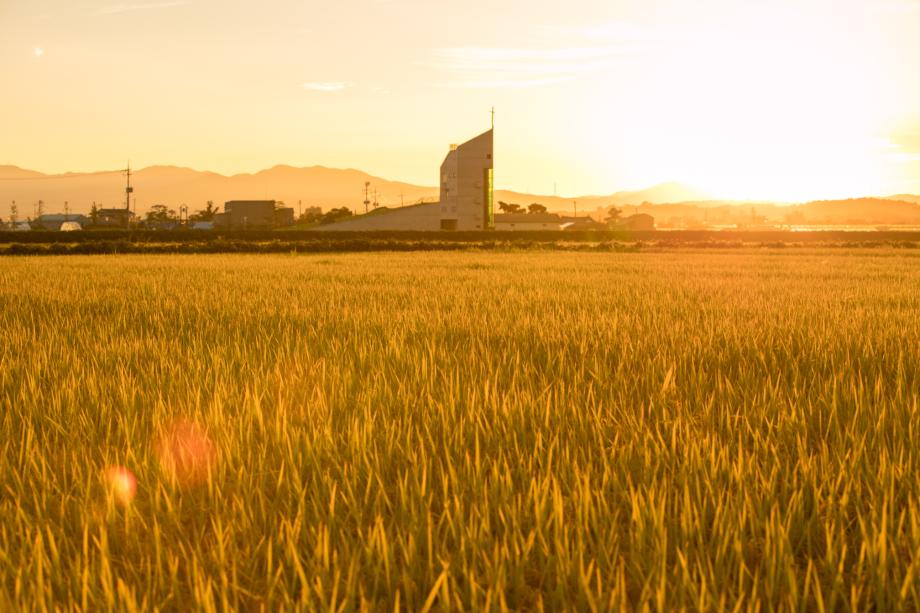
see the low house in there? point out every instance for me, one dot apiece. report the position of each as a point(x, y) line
point(582, 223)
point(284, 216)
point(114, 218)
point(54, 221)
point(527, 222)
point(246, 214)
point(637, 223)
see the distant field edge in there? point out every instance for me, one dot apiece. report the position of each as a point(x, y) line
point(151, 243)
point(307, 236)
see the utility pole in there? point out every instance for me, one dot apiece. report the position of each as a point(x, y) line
point(66, 211)
point(376, 204)
point(14, 214)
point(367, 187)
point(128, 189)
point(41, 209)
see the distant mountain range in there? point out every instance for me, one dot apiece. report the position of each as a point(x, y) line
point(669, 203)
point(313, 186)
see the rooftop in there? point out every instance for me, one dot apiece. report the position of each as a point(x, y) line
point(527, 218)
point(61, 217)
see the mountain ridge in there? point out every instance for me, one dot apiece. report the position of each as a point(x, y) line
point(328, 187)
point(315, 185)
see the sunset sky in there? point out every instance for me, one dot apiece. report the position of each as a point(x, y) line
point(787, 99)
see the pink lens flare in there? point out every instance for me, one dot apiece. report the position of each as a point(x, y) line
point(122, 484)
point(186, 453)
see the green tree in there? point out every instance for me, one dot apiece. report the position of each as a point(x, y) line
point(536, 208)
point(335, 214)
point(613, 216)
point(205, 214)
point(310, 215)
point(160, 213)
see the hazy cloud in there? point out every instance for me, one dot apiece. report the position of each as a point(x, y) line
point(905, 7)
point(608, 31)
point(326, 86)
point(554, 53)
point(506, 83)
point(495, 67)
point(115, 9)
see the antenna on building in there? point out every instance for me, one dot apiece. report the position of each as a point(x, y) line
point(367, 201)
point(493, 117)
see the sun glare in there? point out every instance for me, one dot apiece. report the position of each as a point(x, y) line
point(763, 105)
point(122, 484)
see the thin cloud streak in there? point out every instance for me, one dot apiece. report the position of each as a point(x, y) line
point(116, 9)
point(903, 8)
point(506, 84)
point(326, 86)
point(496, 67)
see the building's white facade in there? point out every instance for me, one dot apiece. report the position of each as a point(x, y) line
point(467, 185)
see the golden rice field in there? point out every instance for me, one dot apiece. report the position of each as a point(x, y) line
point(461, 431)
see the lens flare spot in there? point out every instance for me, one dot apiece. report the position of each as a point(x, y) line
point(122, 484)
point(186, 453)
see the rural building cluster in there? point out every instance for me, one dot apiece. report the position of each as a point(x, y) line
point(466, 203)
point(244, 214)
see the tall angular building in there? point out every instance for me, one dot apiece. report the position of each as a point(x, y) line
point(467, 185)
point(466, 198)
